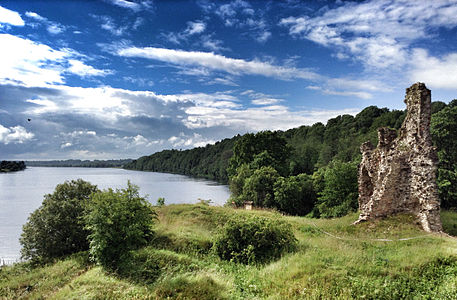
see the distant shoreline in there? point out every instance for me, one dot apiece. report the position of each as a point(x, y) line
point(113, 163)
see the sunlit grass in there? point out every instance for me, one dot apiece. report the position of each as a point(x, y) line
point(334, 260)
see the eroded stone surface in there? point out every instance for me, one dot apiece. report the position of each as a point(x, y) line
point(400, 174)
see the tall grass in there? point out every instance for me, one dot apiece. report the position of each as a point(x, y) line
point(334, 260)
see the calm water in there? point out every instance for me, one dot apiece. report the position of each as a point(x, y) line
point(22, 192)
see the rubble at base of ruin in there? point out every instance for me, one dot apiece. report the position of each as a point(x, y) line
point(399, 175)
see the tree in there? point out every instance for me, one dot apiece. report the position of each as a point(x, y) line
point(444, 132)
point(250, 145)
point(56, 229)
point(236, 183)
point(295, 195)
point(338, 189)
point(259, 188)
point(118, 221)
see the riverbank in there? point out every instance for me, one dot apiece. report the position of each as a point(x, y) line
point(392, 258)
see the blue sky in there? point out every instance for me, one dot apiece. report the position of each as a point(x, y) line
point(120, 79)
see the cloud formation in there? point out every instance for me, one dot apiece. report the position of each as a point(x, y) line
point(135, 6)
point(10, 17)
point(30, 63)
point(15, 134)
point(378, 33)
point(218, 62)
point(51, 27)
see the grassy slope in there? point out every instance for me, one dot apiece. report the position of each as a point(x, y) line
point(180, 264)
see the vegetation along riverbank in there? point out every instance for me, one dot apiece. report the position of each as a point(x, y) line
point(183, 259)
point(11, 166)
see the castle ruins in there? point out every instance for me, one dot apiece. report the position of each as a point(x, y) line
point(399, 175)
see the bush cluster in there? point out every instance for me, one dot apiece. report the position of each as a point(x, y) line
point(254, 239)
point(78, 217)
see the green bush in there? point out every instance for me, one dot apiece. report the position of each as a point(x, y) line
point(295, 195)
point(337, 189)
point(56, 228)
point(259, 188)
point(118, 221)
point(254, 239)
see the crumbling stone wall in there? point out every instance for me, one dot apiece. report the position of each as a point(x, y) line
point(400, 174)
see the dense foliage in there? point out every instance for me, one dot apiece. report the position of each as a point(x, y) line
point(11, 166)
point(209, 162)
point(336, 185)
point(56, 228)
point(254, 239)
point(118, 221)
point(444, 132)
point(261, 167)
point(112, 163)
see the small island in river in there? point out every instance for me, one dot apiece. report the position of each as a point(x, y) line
point(11, 166)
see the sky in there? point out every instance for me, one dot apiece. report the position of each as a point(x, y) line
point(121, 79)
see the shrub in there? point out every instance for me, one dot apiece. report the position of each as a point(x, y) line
point(254, 239)
point(119, 221)
point(56, 229)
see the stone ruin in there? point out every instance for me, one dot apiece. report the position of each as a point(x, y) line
point(399, 176)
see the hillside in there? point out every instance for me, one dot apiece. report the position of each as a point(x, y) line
point(312, 146)
point(391, 258)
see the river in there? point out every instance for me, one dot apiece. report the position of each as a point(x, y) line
point(22, 192)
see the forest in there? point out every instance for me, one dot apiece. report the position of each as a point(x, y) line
point(309, 170)
point(11, 166)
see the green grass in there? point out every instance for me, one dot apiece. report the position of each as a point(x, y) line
point(334, 260)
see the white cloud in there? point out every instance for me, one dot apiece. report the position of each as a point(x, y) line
point(265, 101)
point(140, 140)
point(79, 68)
point(240, 14)
point(195, 111)
point(255, 119)
point(264, 36)
point(10, 17)
point(66, 145)
point(33, 64)
point(29, 63)
point(214, 45)
point(109, 25)
point(195, 27)
point(55, 28)
point(51, 27)
point(435, 72)
point(127, 4)
point(15, 135)
point(195, 140)
point(35, 16)
point(43, 105)
point(346, 93)
point(217, 62)
point(379, 32)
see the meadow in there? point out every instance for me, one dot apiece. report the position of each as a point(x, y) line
point(386, 259)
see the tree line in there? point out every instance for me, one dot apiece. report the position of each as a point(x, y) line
point(112, 163)
point(11, 166)
point(309, 169)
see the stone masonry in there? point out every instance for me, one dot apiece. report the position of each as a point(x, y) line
point(399, 176)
